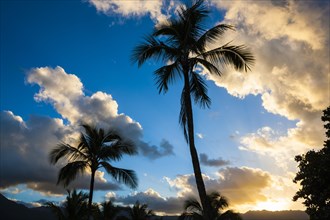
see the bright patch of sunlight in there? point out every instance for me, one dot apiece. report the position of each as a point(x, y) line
point(272, 205)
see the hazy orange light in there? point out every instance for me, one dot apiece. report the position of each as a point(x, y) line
point(272, 205)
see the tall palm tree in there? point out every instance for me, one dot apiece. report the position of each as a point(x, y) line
point(74, 208)
point(183, 44)
point(95, 149)
point(194, 210)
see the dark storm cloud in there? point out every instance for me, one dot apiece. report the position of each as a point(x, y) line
point(154, 152)
point(170, 205)
point(24, 154)
point(204, 159)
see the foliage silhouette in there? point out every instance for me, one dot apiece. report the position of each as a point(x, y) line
point(183, 43)
point(314, 177)
point(194, 210)
point(108, 211)
point(74, 208)
point(140, 211)
point(95, 148)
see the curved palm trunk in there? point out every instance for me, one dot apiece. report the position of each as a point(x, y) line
point(193, 151)
point(91, 190)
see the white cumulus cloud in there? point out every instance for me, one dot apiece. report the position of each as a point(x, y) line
point(290, 41)
point(157, 10)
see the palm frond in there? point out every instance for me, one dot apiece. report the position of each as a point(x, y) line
point(192, 205)
point(198, 89)
point(193, 18)
point(152, 48)
point(93, 138)
point(109, 211)
point(218, 201)
point(84, 143)
point(206, 64)
point(77, 197)
point(166, 75)
point(69, 172)
point(239, 56)
point(125, 176)
point(111, 135)
point(212, 35)
point(116, 149)
point(90, 130)
point(76, 205)
point(56, 210)
point(63, 150)
point(171, 30)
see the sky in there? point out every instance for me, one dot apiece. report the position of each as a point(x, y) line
point(65, 62)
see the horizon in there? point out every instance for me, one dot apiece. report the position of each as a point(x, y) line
point(30, 206)
point(65, 62)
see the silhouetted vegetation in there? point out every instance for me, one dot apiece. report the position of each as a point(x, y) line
point(194, 210)
point(139, 212)
point(314, 177)
point(94, 149)
point(74, 208)
point(13, 211)
point(108, 211)
point(183, 42)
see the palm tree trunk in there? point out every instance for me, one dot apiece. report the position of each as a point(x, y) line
point(91, 190)
point(193, 151)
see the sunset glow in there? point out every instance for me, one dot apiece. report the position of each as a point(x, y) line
point(272, 205)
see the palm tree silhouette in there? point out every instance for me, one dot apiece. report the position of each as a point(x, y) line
point(109, 211)
point(74, 208)
point(182, 43)
point(140, 212)
point(194, 210)
point(95, 148)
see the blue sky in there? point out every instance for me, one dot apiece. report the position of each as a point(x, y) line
point(64, 61)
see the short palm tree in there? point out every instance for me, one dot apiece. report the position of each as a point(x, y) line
point(140, 212)
point(109, 211)
point(74, 208)
point(194, 210)
point(183, 44)
point(95, 149)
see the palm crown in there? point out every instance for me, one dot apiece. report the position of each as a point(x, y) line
point(184, 44)
point(95, 149)
point(74, 208)
point(194, 210)
point(140, 211)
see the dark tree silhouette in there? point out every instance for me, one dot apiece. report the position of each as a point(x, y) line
point(74, 208)
point(194, 210)
point(95, 149)
point(109, 211)
point(183, 42)
point(140, 212)
point(314, 177)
